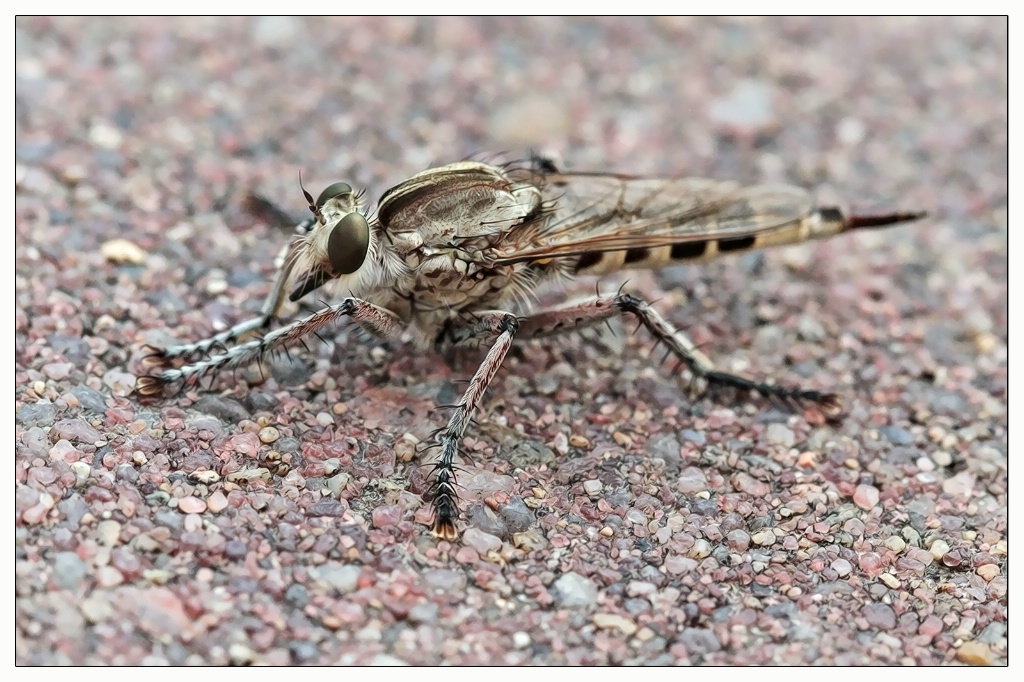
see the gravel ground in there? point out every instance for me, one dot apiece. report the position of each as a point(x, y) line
point(609, 518)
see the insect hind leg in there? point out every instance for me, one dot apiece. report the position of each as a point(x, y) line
point(589, 313)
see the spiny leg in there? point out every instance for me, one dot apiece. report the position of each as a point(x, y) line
point(589, 313)
point(157, 357)
point(502, 328)
point(378, 321)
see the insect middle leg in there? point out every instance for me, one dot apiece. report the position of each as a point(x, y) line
point(501, 327)
point(378, 321)
point(578, 316)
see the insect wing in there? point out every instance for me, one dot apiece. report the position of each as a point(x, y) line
point(597, 212)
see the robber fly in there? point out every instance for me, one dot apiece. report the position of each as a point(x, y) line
point(452, 257)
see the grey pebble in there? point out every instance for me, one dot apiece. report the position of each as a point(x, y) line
point(327, 506)
point(37, 414)
point(69, 571)
point(666, 446)
point(880, 616)
point(222, 408)
point(444, 580)
point(699, 641)
point(342, 578)
point(704, 507)
point(303, 652)
point(72, 508)
point(235, 549)
point(426, 612)
point(691, 436)
point(573, 591)
point(484, 519)
point(897, 435)
point(258, 401)
point(90, 398)
point(297, 595)
point(516, 515)
point(75, 430)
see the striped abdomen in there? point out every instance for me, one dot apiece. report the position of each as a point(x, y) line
point(822, 223)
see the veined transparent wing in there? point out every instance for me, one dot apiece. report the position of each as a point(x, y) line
point(595, 212)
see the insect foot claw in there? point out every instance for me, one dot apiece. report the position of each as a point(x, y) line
point(444, 529)
point(153, 357)
point(831, 406)
point(149, 385)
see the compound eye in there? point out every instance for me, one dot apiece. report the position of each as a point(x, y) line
point(348, 243)
point(333, 192)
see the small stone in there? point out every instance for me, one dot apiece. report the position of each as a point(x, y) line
point(123, 252)
point(444, 581)
point(842, 567)
point(959, 485)
point(516, 515)
point(578, 442)
point(108, 576)
point(930, 626)
point(269, 434)
point(701, 548)
point(763, 538)
point(780, 434)
point(593, 487)
point(880, 616)
point(69, 571)
point(324, 419)
point(895, 543)
point(988, 572)
point(897, 435)
point(520, 640)
point(343, 578)
point(96, 610)
point(297, 595)
point(677, 565)
point(480, 541)
point(37, 414)
point(90, 399)
point(108, 532)
point(975, 653)
point(204, 476)
point(866, 496)
point(426, 612)
point(120, 383)
point(240, 654)
point(747, 110)
point(573, 590)
point(939, 549)
point(57, 371)
point(692, 480)
point(144, 542)
point(612, 621)
point(386, 515)
point(278, 32)
point(191, 505)
point(739, 540)
point(217, 502)
point(75, 430)
point(890, 580)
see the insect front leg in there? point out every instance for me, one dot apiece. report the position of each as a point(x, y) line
point(501, 327)
point(376, 320)
point(271, 306)
point(589, 313)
